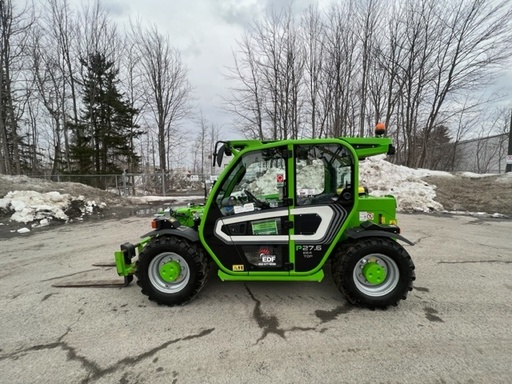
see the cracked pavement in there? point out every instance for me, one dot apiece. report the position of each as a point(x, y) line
point(453, 327)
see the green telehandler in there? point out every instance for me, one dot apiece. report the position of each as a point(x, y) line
point(279, 211)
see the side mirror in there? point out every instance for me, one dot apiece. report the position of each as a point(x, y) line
point(219, 154)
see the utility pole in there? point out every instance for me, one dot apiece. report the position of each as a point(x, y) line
point(509, 164)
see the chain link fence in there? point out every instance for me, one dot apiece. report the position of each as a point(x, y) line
point(482, 155)
point(140, 184)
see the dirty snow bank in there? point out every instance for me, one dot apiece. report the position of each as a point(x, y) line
point(406, 184)
point(380, 176)
point(40, 208)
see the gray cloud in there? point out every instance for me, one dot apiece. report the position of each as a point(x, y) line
point(243, 13)
point(239, 12)
point(192, 49)
point(297, 6)
point(116, 8)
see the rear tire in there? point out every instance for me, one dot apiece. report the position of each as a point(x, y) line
point(392, 277)
point(160, 259)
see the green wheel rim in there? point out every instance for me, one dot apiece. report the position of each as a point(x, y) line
point(168, 272)
point(376, 275)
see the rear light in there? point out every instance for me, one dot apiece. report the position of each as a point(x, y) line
point(154, 224)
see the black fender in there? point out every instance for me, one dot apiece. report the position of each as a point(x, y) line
point(361, 233)
point(183, 231)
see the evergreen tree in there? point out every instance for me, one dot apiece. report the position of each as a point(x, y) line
point(102, 139)
point(439, 147)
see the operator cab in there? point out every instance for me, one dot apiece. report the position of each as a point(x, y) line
point(278, 196)
point(322, 174)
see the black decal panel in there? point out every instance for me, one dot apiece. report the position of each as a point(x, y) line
point(308, 256)
point(307, 224)
point(262, 257)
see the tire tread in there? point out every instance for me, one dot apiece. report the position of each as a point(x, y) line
point(343, 258)
point(180, 246)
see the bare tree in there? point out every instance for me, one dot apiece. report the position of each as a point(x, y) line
point(367, 26)
point(341, 66)
point(61, 30)
point(204, 144)
point(418, 65)
point(134, 91)
point(168, 91)
point(314, 75)
point(14, 29)
point(354, 69)
point(214, 136)
point(247, 96)
point(201, 145)
point(476, 40)
point(436, 51)
point(54, 72)
point(270, 76)
point(49, 81)
point(417, 39)
point(281, 63)
point(97, 32)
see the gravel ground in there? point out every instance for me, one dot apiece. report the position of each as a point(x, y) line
point(453, 328)
point(480, 194)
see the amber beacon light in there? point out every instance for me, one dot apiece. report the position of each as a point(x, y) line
point(380, 129)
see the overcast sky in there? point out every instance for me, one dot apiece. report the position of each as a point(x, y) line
point(205, 31)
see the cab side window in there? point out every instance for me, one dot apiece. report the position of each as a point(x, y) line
point(256, 182)
point(323, 174)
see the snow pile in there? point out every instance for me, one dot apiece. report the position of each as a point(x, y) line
point(265, 184)
point(406, 184)
point(472, 175)
point(378, 175)
point(40, 208)
point(36, 207)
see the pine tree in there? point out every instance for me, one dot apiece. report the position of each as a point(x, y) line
point(101, 140)
point(439, 147)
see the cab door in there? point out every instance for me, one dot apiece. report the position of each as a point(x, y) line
point(247, 224)
point(324, 197)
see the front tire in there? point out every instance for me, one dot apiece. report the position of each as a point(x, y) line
point(373, 272)
point(171, 271)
